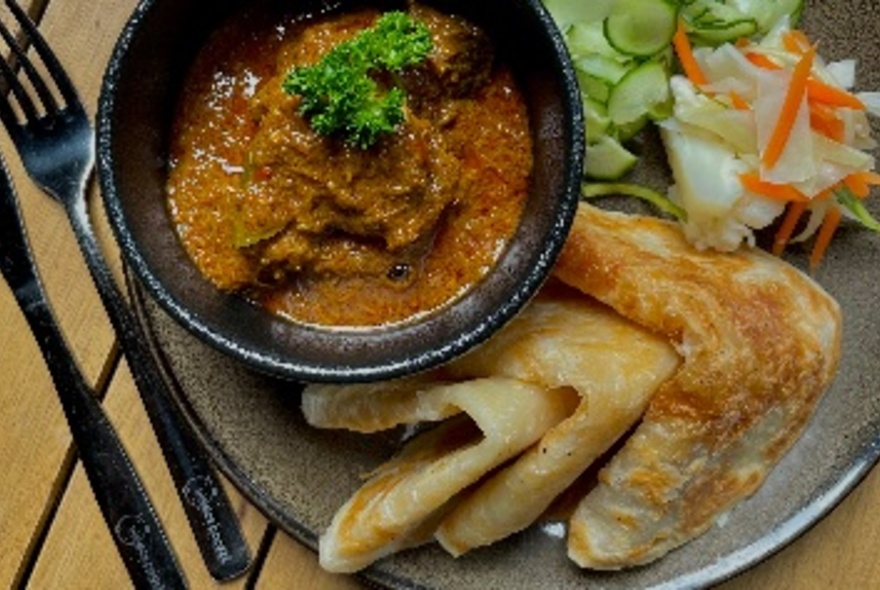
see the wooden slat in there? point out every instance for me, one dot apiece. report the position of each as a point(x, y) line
point(83, 35)
point(839, 552)
point(64, 273)
point(291, 565)
point(35, 443)
point(78, 550)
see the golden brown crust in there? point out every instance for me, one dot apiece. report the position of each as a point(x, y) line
point(760, 343)
point(563, 340)
point(754, 343)
point(402, 501)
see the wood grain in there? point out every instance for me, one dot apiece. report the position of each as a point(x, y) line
point(79, 546)
point(35, 444)
point(840, 551)
point(292, 565)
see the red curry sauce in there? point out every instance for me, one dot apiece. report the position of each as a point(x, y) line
point(326, 233)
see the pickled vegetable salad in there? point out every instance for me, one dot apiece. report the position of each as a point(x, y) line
point(766, 130)
point(621, 51)
point(755, 131)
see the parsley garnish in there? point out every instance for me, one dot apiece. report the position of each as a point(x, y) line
point(339, 94)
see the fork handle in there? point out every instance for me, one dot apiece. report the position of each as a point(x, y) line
point(124, 504)
point(214, 523)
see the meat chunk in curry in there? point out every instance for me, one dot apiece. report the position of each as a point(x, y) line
point(304, 223)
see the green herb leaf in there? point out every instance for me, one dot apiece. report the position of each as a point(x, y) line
point(591, 190)
point(855, 206)
point(339, 94)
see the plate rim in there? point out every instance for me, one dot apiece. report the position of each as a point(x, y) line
point(726, 568)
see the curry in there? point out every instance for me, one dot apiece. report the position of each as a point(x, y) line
point(329, 233)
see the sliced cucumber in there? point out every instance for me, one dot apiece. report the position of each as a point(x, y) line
point(607, 159)
point(768, 12)
point(596, 119)
point(662, 109)
point(588, 38)
point(627, 131)
point(641, 27)
point(593, 87)
point(712, 14)
point(602, 67)
point(725, 32)
point(641, 91)
point(567, 12)
point(623, 57)
point(715, 22)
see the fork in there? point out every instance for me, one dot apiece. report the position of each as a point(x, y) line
point(124, 504)
point(55, 141)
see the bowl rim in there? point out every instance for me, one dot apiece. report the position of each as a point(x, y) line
point(287, 367)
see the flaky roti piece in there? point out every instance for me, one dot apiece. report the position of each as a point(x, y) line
point(400, 504)
point(561, 340)
point(760, 343)
point(377, 406)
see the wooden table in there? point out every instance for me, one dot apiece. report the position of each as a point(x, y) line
point(51, 533)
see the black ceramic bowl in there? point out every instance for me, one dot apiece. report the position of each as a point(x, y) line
point(137, 102)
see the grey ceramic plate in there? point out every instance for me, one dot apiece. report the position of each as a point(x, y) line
point(299, 476)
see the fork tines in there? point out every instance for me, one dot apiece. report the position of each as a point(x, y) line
point(45, 102)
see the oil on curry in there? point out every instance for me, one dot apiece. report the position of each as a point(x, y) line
point(321, 230)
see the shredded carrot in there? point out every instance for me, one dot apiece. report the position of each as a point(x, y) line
point(828, 192)
point(818, 91)
point(783, 234)
point(762, 61)
point(870, 177)
point(802, 38)
point(738, 102)
point(824, 120)
point(686, 55)
point(857, 186)
point(778, 192)
point(859, 183)
point(826, 232)
point(833, 130)
point(793, 98)
point(796, 41)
